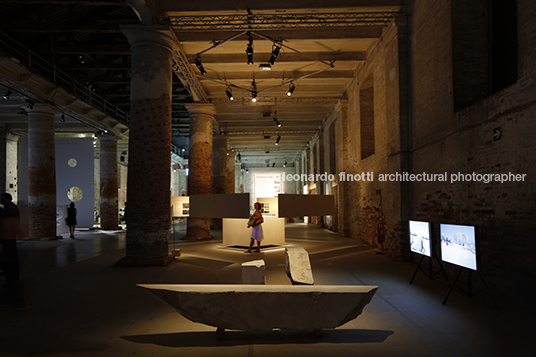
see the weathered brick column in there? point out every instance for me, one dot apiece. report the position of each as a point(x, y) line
point(230, 173)
point(221, 170)
point(148, 193)
point(109, 208)
point(41, 172)
point(200, 164)
point(219, 164)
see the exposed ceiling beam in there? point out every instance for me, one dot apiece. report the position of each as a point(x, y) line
point(63, 28)
point(92, 50)
point(69, 2)
point(286, 57)
point(297, 34)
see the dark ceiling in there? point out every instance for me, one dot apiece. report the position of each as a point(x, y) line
point(82, 41)
point(78, 46)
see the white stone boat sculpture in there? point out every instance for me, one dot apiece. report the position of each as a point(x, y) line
point(266, 307)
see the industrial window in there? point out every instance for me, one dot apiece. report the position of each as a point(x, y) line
point(484, 48)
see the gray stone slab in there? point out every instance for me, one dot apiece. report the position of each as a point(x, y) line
point(298, 266)
point(266, 307)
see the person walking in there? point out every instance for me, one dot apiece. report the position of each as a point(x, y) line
point(71, 219)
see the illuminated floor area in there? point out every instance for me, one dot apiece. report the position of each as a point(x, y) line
point(83, 306)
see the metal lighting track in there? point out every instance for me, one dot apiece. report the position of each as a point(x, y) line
point(276, 21)
point(182, 68)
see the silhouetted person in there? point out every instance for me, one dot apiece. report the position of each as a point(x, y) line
point(71, 219)
point(9, 232)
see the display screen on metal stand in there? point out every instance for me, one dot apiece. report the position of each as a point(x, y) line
point(458, 245)
point(420, 237)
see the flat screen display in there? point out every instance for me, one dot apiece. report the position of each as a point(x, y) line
point(458, 245)
point(420, 237)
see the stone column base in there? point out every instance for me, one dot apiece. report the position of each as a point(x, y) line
point(194, 238)
point(144, 262)
point(118, 228)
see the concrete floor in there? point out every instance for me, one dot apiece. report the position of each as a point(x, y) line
point(81, 305)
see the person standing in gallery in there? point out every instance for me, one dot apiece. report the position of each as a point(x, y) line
point(10, 230)
point(71, 219)
point(255, 221)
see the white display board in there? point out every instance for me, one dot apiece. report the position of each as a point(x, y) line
point(235, 231)
point(267, 185)
point(270, 206)
point(180, 206)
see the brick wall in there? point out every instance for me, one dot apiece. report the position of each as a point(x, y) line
point(418, 128)
point(463, 141)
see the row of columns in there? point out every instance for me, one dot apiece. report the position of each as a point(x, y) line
point(148, 193)
point(42, 175)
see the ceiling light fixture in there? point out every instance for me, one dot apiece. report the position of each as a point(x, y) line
point(278, 139)
point(249, 48)
point(291, 88)
point(8, 93)
point(229, 93)
point(277, 45)
point(254, 92)
point(275, 52)
point(276, 121)
point(199, 65)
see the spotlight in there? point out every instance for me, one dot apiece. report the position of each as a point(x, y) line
point(273, 165)
point(63, 118)
point(278, 139)
point(239, 157)
point(285, 164)
point(254, 92)
point(30, 105)
point(8, 93)
point(229, 94)
point(291, 88)
point(200, 66)
point(275, 53)
point(277, 122)
point(249, 49)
